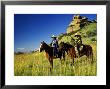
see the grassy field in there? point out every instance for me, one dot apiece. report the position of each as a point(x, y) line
point(36, 64)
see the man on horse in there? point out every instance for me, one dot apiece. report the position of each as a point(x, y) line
point(55, 45)
point(78, 44)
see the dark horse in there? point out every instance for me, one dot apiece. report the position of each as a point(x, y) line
point(49, 52)
point(87, 50)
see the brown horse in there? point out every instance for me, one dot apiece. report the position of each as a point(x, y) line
point(49, 53)
point(87, 50)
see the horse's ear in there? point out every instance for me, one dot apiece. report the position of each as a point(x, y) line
point(42, 42)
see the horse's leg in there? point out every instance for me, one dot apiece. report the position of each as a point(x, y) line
point(73, 60)
point(51, 64)
point(72, 57)
point(67, 52)
point(88, 57)
point(72, 63)
point(64, 55)
point(60, 55)
point(90, 54)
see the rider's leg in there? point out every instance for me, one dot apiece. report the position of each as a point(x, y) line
point(78, 48)
point(77, 52)
point(54, 51)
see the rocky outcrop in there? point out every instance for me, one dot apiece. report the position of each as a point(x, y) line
point(77, 23)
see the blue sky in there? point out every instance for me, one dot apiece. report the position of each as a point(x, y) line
point(31, 29)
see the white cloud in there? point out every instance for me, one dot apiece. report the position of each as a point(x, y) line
point(20, 48)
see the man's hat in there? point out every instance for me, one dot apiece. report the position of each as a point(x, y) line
point(77, 34)
point(53, 36)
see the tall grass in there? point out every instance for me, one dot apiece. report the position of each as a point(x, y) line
point(36, 64)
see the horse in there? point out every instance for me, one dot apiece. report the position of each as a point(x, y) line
point(49, 53)
point(87, 50)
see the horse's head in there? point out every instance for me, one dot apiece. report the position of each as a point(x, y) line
point(62, 46)
point(42, 46)
point(65, 46)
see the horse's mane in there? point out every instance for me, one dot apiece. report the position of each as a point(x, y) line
point(47, 46)
point(45, 43)
point(48, 49)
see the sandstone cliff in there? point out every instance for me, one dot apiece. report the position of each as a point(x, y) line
point(78, 22)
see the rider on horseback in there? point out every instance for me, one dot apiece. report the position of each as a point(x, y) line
point(55, 45)
point(78, 44)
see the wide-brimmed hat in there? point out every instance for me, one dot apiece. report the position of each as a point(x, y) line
point(53, 36)
point(77, 34)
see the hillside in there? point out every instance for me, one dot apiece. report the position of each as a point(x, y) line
point(88, 34)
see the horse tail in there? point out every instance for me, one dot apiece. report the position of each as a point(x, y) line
point(92, 56)
point(89, 52)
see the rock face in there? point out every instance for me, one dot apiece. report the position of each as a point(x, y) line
point(77, 23)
